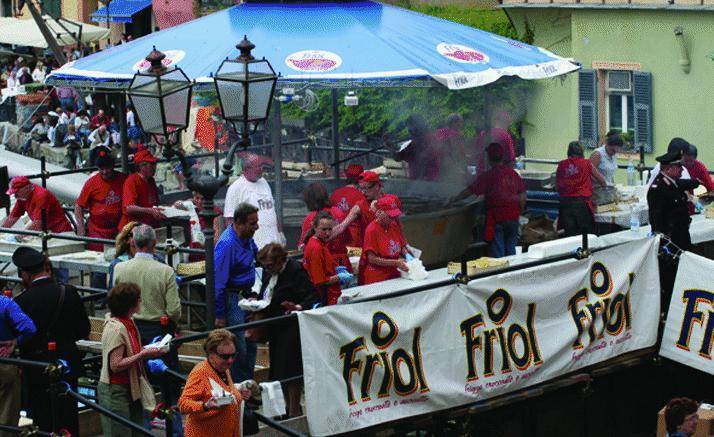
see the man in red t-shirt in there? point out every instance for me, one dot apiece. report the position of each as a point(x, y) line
point(32, 199)
point(101, 195)
point(140, 195)
point(384, 244)
point(505, 196)
point(573, 178)
point(348, 196)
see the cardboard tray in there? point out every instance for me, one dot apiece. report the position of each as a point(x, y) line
point(454, 267)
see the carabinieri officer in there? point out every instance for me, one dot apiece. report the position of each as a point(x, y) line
point(669, 214)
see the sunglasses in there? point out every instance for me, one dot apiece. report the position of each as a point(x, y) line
point(225, 357)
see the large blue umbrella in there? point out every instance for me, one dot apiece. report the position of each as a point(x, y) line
point(360, 41)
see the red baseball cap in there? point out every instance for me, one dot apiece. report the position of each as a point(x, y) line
point(389, 203)
point(17, 183)
point(144, 156)
point(369, 176)
point(353, 171)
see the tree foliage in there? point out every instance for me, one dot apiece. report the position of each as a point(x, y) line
point(384, 110)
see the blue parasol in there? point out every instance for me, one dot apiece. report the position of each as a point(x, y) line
point(326, 42)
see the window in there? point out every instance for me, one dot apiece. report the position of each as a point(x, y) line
point(615, 100)
point(620, 106)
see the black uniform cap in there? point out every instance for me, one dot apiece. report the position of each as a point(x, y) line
point(669, 158)
point(27, 258)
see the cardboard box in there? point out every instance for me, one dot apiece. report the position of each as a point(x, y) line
point(705, 426)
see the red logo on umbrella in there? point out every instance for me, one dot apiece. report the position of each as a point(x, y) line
point(461, 53)
point(313, 61)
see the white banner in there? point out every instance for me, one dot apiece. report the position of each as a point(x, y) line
point(689, 331)
point(373, 362)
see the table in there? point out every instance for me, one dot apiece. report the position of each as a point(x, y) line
point(86, 261)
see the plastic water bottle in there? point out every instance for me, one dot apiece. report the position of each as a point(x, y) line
point(631, 173)
point(635, 219)
point(520, 165)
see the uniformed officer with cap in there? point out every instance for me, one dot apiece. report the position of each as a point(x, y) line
point(667, 200)
point(59, 315)
point(669, 214)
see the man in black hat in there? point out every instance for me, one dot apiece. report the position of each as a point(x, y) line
point(59, 315)
point(669, 214)
point(667, 200)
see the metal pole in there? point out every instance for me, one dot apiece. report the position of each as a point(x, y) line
point(46, 33)
point(209, 214)
point(276, 137)
point(117, 418)
point(123, 136)
point(43, 171)
point(335, 136)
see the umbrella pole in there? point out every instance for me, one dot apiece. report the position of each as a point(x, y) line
point(335, 136)
point(276, 139)
point(123, 136)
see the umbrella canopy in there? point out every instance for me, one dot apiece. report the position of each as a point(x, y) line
point(349, 41)
point(26, 33)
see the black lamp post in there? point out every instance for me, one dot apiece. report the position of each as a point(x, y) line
point(162, 101)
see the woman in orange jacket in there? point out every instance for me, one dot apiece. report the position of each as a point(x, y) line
point(205, 414)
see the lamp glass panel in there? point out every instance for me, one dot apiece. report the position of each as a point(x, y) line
point(261, 68)
point(148, 109)
point(232, 98)
point(260, 94)
point(176, 106)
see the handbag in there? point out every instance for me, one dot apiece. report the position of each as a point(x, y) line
point(260, 333)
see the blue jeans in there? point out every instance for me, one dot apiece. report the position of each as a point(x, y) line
point(243, 367)
point(504, 242)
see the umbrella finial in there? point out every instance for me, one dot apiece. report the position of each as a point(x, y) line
point(155, 58)
point(245, 48)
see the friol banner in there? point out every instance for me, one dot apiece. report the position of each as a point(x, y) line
point(689, 331)
point(373, 362)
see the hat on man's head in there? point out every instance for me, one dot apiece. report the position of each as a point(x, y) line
point(144, 156)
point(388, 204)
point(670, 158)
point(17, 183)
point(104, 157)
point(678, 144)
point(353, 171)
point(369, 176)
point(26, 257)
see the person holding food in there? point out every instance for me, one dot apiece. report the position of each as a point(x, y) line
point(140, 195)
point(385, 250)
point(604, 158)
point(211, 414)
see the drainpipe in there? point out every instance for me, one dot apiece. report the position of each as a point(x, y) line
point(684, 62)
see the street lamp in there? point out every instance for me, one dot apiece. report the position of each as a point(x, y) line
point(162, 100)
point(245, 87)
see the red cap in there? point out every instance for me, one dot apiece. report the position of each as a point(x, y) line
point(369, 176)
point(389, 203)
point(144, 156)
point(164, 320)
point(17, 183)
point(51, 346)
point(353, 171)
point(7, 293)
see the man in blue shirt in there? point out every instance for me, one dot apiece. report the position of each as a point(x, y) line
point(234, 271)
point(15, 327)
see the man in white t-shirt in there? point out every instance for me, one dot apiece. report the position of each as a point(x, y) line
point(252, 188)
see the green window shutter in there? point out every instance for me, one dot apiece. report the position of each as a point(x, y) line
point(587, 91)
point(52, 7)
point(642, 98)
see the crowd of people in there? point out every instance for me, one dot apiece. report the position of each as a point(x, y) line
point(254, 277)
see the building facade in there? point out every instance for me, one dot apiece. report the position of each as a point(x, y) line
point(646, 70)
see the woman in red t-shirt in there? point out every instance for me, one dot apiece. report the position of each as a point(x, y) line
point(316, 199)
point(384, 244)
point(573, 178)
point(319, 262)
